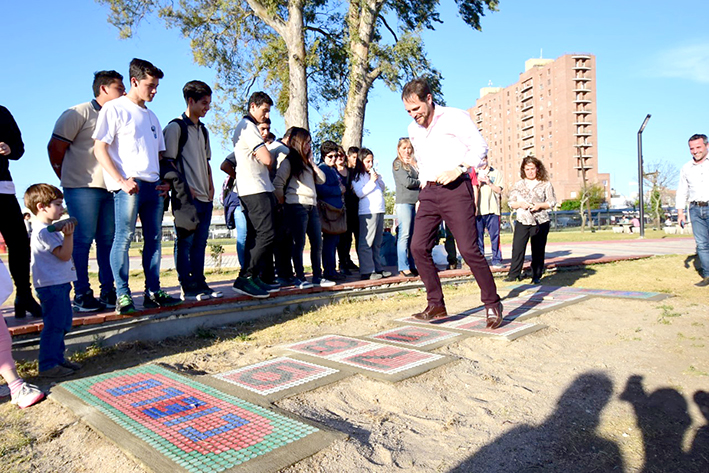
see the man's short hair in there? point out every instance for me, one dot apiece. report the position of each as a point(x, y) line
point(698, 137)
point(418, 88)
point(140, 69)
point(105, 78)
point(352, 150)
point(41, 194)
point(195, 90)
point(328, 147)
point(259, 98)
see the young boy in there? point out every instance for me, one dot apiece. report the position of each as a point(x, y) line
point(52, 273)
point(187, 144)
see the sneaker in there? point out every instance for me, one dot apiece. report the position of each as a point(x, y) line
point(286, 282)
point(266, 286)
point(703, 283)
point(207, 291)
point(371, 277)
point(87, 303)
point(58, 371)
point(108, 299)
point(497, 266)
point(159, 298)
point(386, 274)
point(303, 283)
point(71, 365)
point(27, 396)
point(248, 287)
point(324, 283)
point(4, 391)
point(190, 293)
point(124, 305)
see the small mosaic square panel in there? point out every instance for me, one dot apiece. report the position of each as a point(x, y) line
point(275, 375)
point(198, 427)
point(413, 336)
point(478, 326)
point(388, 359)
point(329, 345)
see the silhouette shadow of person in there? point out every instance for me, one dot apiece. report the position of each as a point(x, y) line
point(566, 442)
point(699, 452)
point(663, 419)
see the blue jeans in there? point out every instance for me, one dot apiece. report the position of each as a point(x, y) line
point(405, 214)
point(492, 223)
point(700, 227)
point(147, 204)
point(240, 222)
point(304, 219)
point(56, 315)
point(329, 256)
point(190, 248)
point(93, 208)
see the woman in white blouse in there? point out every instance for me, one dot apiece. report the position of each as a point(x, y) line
point(369, 187)
point(532, 197)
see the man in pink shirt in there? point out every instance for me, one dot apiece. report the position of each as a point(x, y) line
point(448, 146)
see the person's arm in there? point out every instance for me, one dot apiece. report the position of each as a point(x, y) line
point(63, 251)
point(681, 198)
point(57, 149)
point(318, 174)
point(549, 199)
point(462, 126)
point(363, 185)
point(13, 148)
point(264, 155)
point(229, 168)
point(279, 182)
point(129, 186)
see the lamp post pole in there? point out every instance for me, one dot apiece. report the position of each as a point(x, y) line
point(641, 198)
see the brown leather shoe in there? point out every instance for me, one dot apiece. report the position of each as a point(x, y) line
point(432, 312)
point(494, 316)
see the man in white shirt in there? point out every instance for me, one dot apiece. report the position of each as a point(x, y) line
point(447, 144)
point(128, 143)
point(71, 152)
point(693, 189)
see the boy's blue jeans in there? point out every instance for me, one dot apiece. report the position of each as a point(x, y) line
point(57, 315)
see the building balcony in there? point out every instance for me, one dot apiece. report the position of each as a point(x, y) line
point(581, 68)
point(527, 106)
point(582, 101)
point(527, 145)
point(524, 97)
point(479, 120)
point(527, 117)
point(581, 91)
point(583, 123)
point(528, 135)
point(526, 87)
point(583, 133)
point(582, 78)
point(528, 125)
point(583, 145)
point(586, 166)
point(581, 112)
point(580, 56)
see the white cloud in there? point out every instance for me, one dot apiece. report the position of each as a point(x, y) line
point(690, 62)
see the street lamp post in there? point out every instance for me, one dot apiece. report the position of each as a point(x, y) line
point(641, 198)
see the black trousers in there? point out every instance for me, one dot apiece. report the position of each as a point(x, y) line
point(260, 234)
point(538, 235)
point(345, 243)
point(12, 227)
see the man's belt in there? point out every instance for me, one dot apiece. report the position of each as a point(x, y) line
point(699, 204)
point(463, 177)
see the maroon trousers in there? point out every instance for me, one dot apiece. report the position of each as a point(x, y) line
point(454, 204)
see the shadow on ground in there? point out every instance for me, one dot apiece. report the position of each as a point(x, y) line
point(567, 440)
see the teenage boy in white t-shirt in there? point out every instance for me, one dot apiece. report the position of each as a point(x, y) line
point(128, 144)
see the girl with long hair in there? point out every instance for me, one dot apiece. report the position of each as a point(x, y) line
point(408, 186)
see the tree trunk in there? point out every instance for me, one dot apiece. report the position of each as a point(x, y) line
point(361, 30)
point(297, 112)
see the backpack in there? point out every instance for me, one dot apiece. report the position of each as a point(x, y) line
point(184, 124)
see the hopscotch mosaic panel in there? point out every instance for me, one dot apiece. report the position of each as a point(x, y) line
point(198, 427)
point(275, 375)
point(479, 326)
point(413, 336)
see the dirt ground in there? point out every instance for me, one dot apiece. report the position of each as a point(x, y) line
point(609, 385)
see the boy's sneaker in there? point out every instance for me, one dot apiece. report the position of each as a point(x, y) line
point(248, 287)
point(27, 396)
point(159, 298)
point(124, 305)
point(266, 286)
point(87, 303)
point(71, 365)
point(324, 283)
point(108, 299)
point(190, 293)
point(58, 371)
point(205, 290)
point(286, 282)
point(303, 283)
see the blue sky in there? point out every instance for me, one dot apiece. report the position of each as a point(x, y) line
point(650, 59)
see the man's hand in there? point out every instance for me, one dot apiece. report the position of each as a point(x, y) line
point(164, 188)
point(681, 220)
point(484, 179)
point(4, 149)
point(129, 186)
point(448, 176)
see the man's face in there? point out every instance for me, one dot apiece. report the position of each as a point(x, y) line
point(260, 112)
point(114, 90)
point(484, 164)
point(264, 129)
point(145, 88)
point(698, 149)
point(351, 160)
point(200, 108)
point(420, 111)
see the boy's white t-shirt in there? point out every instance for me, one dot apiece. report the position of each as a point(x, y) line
point(135, 140)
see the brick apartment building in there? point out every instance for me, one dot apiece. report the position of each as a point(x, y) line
point(550, 112)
